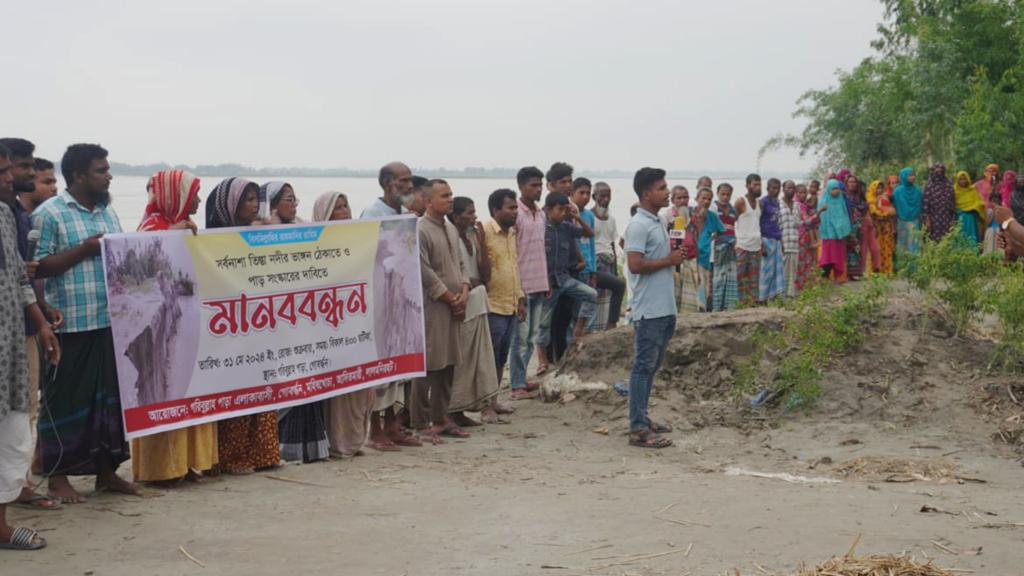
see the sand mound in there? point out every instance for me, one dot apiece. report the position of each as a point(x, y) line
point(910, 371)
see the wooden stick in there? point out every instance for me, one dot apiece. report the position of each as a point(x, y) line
point(688, 548)
point(636, 559)
point(191, 557)
point(849, 553)
point(682, 522)
point(601, 547)
point(941, 547)
point(294, 480)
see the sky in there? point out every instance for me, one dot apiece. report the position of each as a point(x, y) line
point(602, 84)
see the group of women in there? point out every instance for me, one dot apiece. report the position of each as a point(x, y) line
point(866, 229)
point(846, 230)
point(242, 445)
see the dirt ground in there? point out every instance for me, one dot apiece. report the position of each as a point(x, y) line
point(903, 452)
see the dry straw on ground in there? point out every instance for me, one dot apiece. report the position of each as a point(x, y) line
point(874, 566)
point(898, 469)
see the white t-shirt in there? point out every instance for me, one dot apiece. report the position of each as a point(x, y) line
point(606, 234)
point(748, 229)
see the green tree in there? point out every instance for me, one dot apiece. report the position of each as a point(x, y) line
point(944, 84)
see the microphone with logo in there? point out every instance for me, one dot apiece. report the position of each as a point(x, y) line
point(33, 241)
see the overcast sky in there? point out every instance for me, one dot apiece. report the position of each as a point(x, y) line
point(681, 84)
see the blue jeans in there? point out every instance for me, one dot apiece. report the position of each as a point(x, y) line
point(502, 328)
point(583, 294)
point(650, 339)
point(523, 341)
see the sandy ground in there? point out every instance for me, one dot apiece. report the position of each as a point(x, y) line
point(547, 495)
point(558, 492)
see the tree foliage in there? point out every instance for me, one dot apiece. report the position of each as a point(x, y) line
point(945, 83)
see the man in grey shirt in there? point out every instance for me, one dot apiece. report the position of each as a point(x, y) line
point(651, 261)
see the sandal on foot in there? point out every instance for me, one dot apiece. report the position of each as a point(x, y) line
point(39, 502)
point(659, 427)
point(647, 439)
point(523, 394)
point(24, 539)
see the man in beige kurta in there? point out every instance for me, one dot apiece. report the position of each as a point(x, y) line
point(445, 293)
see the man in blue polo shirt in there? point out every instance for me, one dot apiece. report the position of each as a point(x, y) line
point(651, 261)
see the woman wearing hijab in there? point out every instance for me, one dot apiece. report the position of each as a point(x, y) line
point(246, 443)
point(1007, 186)
point(908, 200)
point(883, 215)
point(348, 415)
point(970, 209)
point(809, 223)
point(939, 205)
point(989, 182)
point(183, 454)
point(835, 231)
point(283, 202)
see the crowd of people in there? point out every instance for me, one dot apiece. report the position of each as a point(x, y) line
point(538, 275)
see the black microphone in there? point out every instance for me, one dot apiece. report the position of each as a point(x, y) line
point(33, 241)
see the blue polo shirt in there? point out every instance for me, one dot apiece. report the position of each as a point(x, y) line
point(653, 294)
point(588, 245)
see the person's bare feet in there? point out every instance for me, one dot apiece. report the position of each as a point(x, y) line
point(500, 408)
point(489, 416)
point(60, 488)
point(113, 483)
point(431, 435)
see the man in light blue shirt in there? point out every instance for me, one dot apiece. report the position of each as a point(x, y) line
point(651, 261)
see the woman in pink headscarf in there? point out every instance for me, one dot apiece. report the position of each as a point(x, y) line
point(988, 183)
point(169, 457)
point(1006, 186)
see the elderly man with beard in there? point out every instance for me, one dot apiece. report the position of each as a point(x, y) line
point(386, 433)
point(611, 288)
point(83, 433)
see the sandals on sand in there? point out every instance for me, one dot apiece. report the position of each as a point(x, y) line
point(648, 439)
point(24, 539)
point(39, 502)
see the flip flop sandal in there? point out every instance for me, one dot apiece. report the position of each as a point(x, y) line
point(504, 409)
point(648, 439)
point(33, 503)
point(23, 539)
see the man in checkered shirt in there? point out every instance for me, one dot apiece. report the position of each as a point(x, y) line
point(80, 427)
